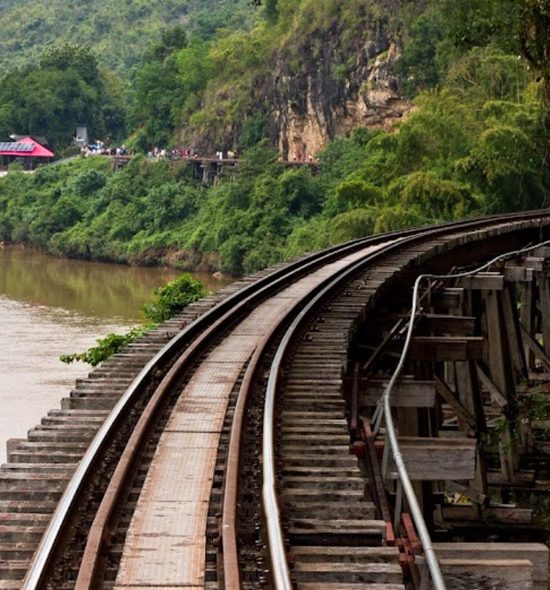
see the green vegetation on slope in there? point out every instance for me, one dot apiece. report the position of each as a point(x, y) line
point(221, 92)
point(66, 89)
point(118, 32)
point(476, 142)
point(474, 146)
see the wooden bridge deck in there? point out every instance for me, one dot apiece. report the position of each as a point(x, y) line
point(165, 544)
point(173, 534)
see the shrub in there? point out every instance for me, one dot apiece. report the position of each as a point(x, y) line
point(106, 347)
point(352, 224)
point(173, 297)
point(170, 299)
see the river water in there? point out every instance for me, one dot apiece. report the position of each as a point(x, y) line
point(51, 306)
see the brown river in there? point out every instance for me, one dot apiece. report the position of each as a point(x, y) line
point(51, 306)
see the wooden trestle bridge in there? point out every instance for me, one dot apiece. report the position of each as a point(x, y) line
point(238, 445)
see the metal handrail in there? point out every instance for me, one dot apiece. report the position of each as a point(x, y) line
point(418, 518)
point(279, 564)
point(51, 539)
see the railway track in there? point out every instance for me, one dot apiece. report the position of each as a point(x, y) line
point(152, 467)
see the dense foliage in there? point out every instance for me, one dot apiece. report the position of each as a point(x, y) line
point(475, 142)
point(65, 89)
point(118, 32)
point(173, 298)
point(218, 92)
point(105, 348)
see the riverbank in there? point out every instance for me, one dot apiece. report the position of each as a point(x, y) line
point(157, 212)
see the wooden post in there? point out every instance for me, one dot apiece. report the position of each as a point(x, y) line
point(515, 340)
point(544, 293)
point(528, 307)
point(500, 364)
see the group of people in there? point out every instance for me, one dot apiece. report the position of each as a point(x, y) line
point(184, 153)
point(179, 153)
point(100, 149)
point(229, 155)
point(173, 154)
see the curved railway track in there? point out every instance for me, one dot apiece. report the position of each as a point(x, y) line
point(158, 479)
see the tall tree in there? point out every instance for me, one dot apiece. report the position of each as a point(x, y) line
point(66, 89)
point(535, 44)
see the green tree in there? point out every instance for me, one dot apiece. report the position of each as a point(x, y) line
point(64, 90)
point(535, 43)
point(352, 224)
point(271, 8)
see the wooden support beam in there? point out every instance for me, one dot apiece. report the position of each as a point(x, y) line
point(449, 298)
point(376, 480)
point(528, 307)
point(537, 263)
point(453, 325)
point(437, 459)
point(445, 392)
point(496, 395)
point(535, 347)
point(537, 553)
point(544, 300)
point(469, 393)
point(504, 574)
point(354, 413)
point(383, 345)
point(511, 320)
point(483, 281)
point(473, 513)
point(518, 480)
point(501, 369)
point(406, 393)
point(469, 396)
point(517, 274)
point(543, 252)
point(445, 348)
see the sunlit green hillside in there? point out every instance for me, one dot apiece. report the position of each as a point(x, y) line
point(118, 31)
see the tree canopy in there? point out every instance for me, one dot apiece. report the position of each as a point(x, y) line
point(66, 89)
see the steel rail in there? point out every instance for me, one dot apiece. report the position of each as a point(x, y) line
point(97, 535)
point(44, 556)
point(231, 484)
point(52, 539)
point(37, 574)
point(276, 545)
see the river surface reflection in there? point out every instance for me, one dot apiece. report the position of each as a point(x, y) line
point(51, 306)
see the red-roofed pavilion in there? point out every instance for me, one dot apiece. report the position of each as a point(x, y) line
point(26, 147)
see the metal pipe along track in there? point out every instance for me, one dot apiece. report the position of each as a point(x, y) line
point(166, 491)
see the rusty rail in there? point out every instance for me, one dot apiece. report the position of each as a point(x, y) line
point(208, 325)
point(227, 310)
point(276, 545)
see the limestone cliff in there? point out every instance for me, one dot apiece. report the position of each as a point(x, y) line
point(331, 83)
point(327, 67)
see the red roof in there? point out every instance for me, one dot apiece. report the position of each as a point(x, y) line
point(26, 147)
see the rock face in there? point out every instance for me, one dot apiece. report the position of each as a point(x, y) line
point(330, 85)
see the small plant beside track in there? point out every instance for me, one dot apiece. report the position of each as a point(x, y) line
point(168, 301)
